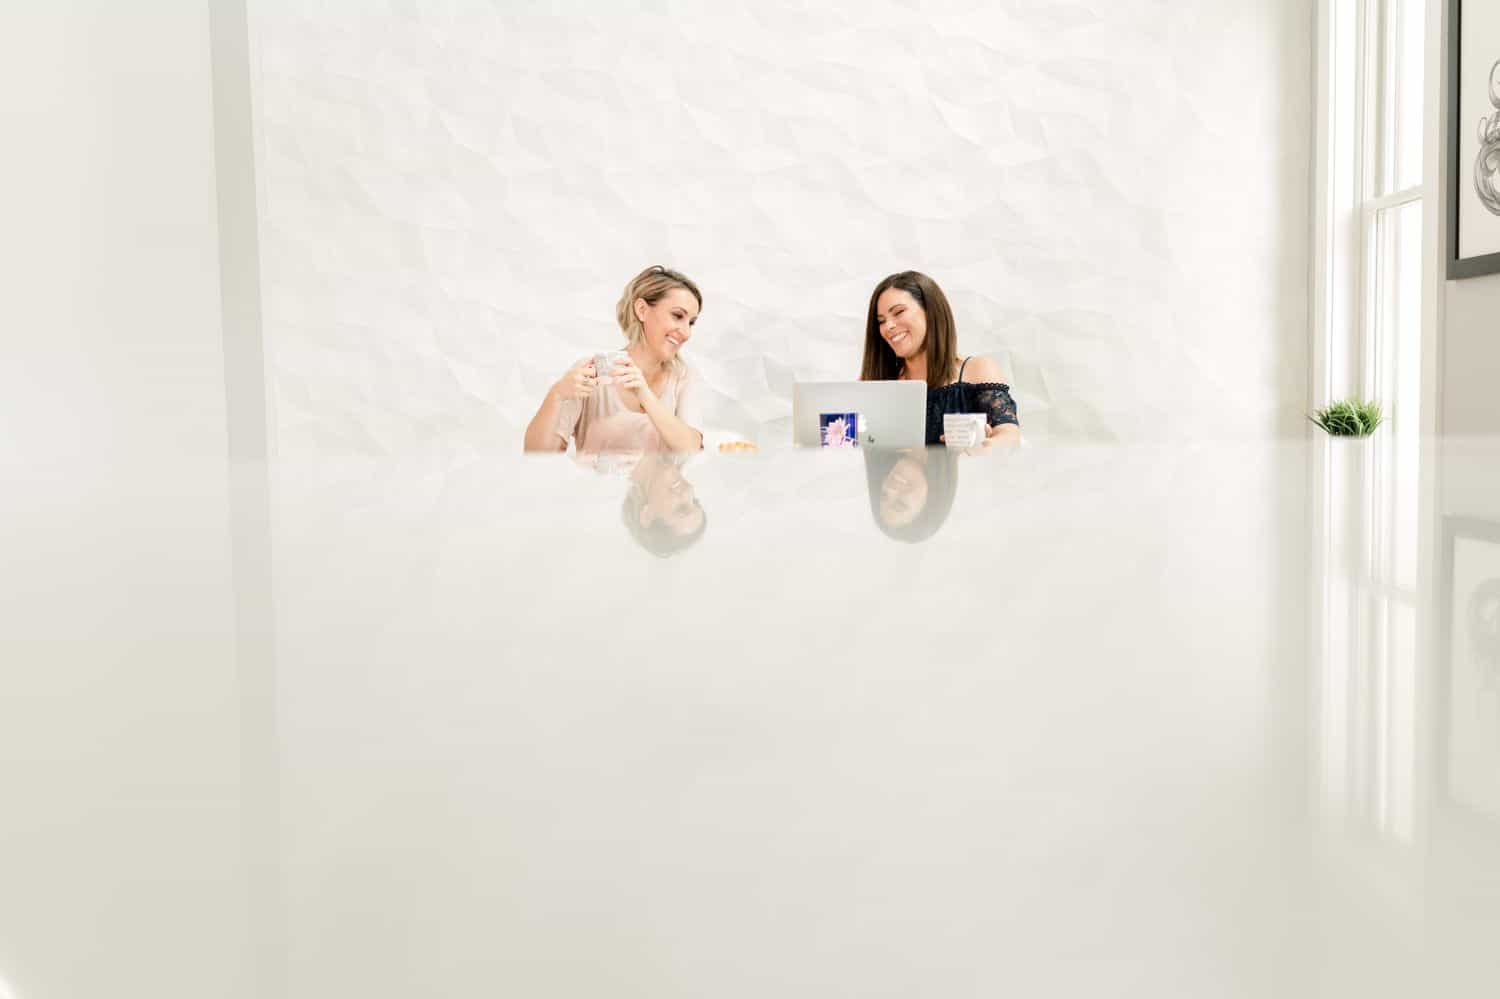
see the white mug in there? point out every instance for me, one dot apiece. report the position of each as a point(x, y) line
point(964, 429)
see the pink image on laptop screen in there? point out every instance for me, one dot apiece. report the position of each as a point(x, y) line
point(839, 429)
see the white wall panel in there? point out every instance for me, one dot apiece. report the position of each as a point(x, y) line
point(110, 339)
point(1114, 195)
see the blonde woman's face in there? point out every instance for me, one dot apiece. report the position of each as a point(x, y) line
point(670, 498)
point(668, 325)
point(903, 322)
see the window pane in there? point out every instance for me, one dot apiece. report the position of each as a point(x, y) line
point(1399, 91)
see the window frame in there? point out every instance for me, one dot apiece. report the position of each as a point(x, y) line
point(1365, 685)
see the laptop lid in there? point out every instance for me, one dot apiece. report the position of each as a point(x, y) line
point(891, 414)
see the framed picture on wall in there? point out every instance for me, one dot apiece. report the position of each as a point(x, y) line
point(1469, 671)
point(1473, 138)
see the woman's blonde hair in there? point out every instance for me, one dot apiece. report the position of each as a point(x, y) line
point(650, 284)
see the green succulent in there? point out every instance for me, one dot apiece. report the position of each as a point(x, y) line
point(1353, 417)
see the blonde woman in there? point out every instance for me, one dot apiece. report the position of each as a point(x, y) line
point(648, 402)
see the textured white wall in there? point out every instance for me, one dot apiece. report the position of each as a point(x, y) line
point(1114, 194)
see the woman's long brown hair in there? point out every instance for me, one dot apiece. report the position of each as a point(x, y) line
point(881, 363)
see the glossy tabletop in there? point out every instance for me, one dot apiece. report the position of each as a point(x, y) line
point(1213, 720)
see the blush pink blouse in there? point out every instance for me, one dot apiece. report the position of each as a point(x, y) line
point(601, 423)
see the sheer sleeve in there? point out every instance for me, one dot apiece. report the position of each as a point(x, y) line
point(993, 399)
point(689, 402)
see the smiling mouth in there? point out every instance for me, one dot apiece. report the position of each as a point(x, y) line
point(674, 341)
point(898, 338)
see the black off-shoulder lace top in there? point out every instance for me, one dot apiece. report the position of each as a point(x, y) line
point(991, 398)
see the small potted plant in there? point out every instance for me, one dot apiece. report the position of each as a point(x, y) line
point(1352, 417)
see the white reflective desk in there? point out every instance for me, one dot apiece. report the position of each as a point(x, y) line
point(1210, 721)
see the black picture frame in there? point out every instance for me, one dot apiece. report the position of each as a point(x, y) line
point(1488, 263)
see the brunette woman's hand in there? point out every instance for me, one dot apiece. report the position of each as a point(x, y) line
point(579, 383)
point(1002, 434)
point(628, 377)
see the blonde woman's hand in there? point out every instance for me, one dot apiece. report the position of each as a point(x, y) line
point(628, 378)
point(579, 383)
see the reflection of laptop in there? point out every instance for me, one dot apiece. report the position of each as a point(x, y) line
point(891, 414)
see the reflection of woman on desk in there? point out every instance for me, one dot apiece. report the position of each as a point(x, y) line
point(910, 334)
point(911, 490)
point(661, 510)
point(649, 401)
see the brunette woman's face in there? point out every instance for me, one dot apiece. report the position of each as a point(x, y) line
point(668, 324)
point(904, 493)
point(902, 322)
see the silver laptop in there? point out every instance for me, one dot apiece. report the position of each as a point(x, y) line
point(891, 414)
